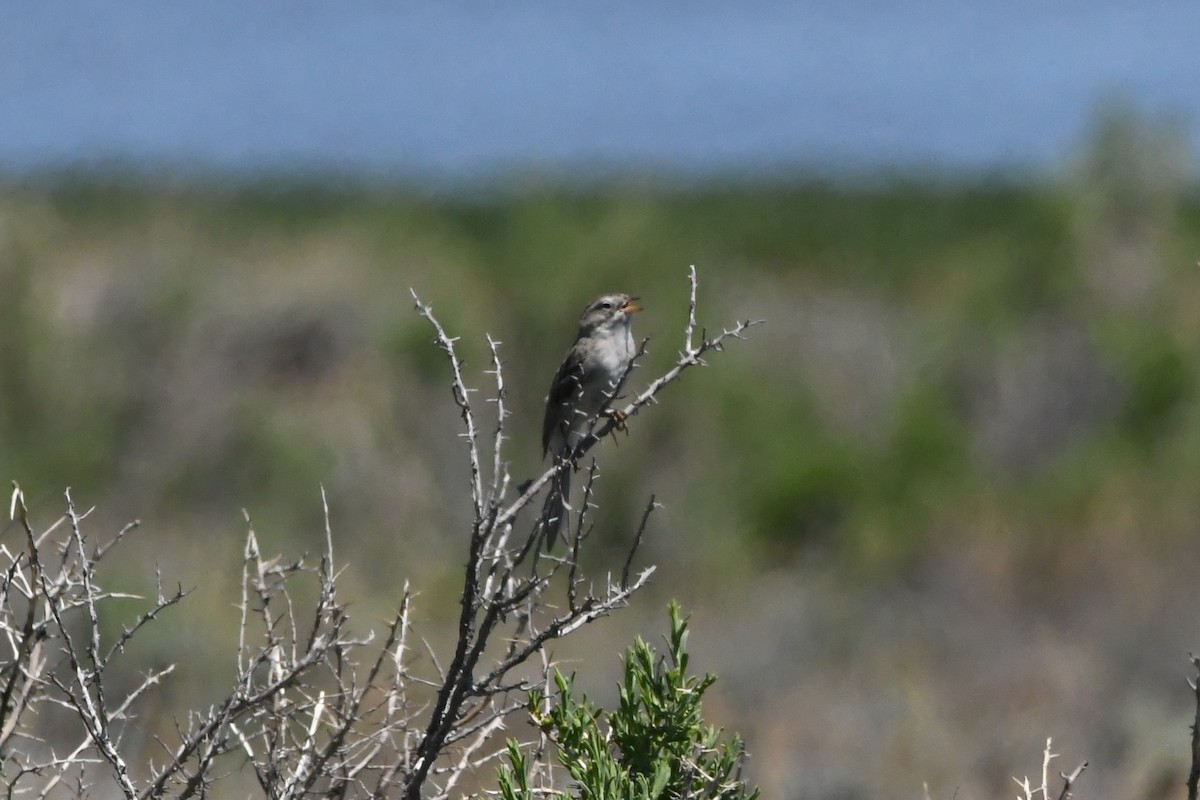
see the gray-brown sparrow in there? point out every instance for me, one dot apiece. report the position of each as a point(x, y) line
point(582, 388)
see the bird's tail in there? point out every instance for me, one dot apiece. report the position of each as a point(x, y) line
point(554, 511)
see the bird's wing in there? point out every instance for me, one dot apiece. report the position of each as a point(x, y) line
point(563, 391)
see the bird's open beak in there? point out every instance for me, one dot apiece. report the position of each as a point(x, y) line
point(631, 307)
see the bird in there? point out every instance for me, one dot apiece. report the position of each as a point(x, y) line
point(582, 387)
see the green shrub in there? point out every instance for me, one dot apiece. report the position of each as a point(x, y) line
point(654, 745)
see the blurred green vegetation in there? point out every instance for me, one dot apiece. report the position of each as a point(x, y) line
point(933, 351)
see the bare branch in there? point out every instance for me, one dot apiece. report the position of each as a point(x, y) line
point(1194, 772)
point(1043, 790)
point(462, 398)
point(637, 542)
point(1069, 780)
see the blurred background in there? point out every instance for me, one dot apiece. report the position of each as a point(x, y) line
point(941, 506)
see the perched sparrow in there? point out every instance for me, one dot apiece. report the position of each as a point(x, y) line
point(582, 387)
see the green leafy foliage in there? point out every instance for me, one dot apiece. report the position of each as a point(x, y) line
point(654, 745)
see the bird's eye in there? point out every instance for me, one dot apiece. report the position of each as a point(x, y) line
point(606, 305)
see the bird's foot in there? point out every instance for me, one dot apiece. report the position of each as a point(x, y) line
point(618, 417)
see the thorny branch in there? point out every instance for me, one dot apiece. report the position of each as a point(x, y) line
point(1193, 778)
point(43, 609)
point(1028, 791)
